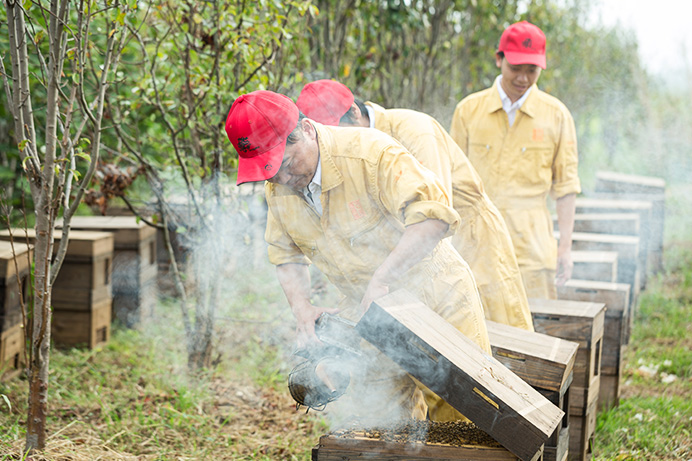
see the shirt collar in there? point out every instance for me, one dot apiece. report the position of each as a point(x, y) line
point(371, 115)
point(507, 103)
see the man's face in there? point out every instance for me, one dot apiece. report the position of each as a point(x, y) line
point(516, 79)
point(300, 160)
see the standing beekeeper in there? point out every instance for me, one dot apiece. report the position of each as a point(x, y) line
point(370, 216)
point(482, 238)
point(523, 144)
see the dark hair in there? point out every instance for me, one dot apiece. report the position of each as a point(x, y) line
point(297, 133)
point(500, 54)
point(349, 118)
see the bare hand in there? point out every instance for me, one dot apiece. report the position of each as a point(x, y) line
point(375, 290)
point(306, 316)
point(564, 268)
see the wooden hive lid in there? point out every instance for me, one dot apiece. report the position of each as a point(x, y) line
point(593, 203)
point(81, 243)
point(127, 230)
point(577, 321)
point(614, 295)
point(594, 256)
point(649, 182)
point(7, 263)
point(429, 348)
point(542, 361)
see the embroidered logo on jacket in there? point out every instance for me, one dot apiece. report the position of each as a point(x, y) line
point(538, 134)
point(356, 209)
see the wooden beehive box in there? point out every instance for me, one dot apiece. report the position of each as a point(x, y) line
point(135, 264)
point(84, 279)
point(13, 289)
point(595, 265)
point(456, 369)
point(616, 329)
point(545, 362)
point(583, 323)
point(627, 247)
point(11, 352)
point(331, 448)
point(641, 207)
point(90, 328)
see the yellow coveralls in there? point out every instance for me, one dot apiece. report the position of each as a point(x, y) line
point(482, 238)
point(372, 188)
point(520, 165)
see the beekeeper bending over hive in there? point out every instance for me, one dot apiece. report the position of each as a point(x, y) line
point(354, 202)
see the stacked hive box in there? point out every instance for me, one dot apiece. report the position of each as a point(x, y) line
point(614, 207)
point(640, 188)
point(583, 323)
point(81, 297)
point(595, 265)
point(15, 261)
point(629, 268)
point(616, 328)
point(546, 363)
point(134, 264)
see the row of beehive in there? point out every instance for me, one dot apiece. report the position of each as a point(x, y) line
point(574, 359)
point(109, 271)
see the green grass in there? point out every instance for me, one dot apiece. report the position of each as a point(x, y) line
point(654, 419)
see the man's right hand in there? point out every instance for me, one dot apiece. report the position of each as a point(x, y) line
point(306, 315)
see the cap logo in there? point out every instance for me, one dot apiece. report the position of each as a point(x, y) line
point(268, 166)
point(245, 146)
point(527, 43)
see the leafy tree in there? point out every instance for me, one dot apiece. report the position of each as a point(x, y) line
point(69, 77)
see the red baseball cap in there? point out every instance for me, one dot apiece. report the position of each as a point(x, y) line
point(523, 43)
point(258, 126)
point(325, 101)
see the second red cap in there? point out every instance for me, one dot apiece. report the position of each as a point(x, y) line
point(325, 101)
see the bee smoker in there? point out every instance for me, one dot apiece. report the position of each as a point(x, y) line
point(324, 376)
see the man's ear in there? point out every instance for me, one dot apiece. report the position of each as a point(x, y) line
point(308, 129)
point(356, 111)
point(498, 60)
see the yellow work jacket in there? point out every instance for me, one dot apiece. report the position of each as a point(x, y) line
point(372, 188)
point(520, 165)
point(482, 238)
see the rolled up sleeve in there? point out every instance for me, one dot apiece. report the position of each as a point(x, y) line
point(566, 161)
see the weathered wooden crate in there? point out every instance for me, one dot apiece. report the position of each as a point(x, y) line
point(627, 247)
point(655, 226)
point(617, 317)
point(582, 427)
point(641, 207)
point(135, 263)
point(611, 387)
point(595, 265)
point(84, 279)
point(581, 322)
point(559, 451)
point(11, 352)
point(545, 362)
point(456, 369)
point(13, 289)
point(331, 448)
point(82, 328)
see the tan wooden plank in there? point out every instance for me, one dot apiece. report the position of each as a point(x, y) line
point(128, 233)
point(89, 328)
point(543, 361)
point(11, 352)
point(610, 181)
point(455, 368)
point(8, 269)
point(82, 244)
